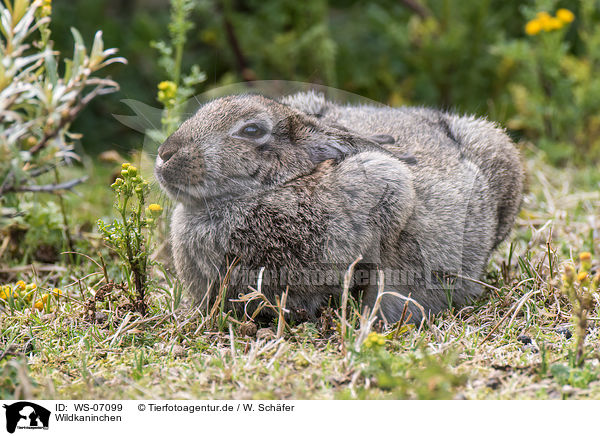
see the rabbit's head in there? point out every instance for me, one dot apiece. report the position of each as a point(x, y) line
point(240, 144)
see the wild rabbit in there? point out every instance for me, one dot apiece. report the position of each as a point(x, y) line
point(291, 192)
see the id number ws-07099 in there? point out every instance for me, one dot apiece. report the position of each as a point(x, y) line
point(98, 407)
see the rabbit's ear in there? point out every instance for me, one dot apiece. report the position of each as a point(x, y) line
point(338, 142)
point(382, 139)
point(328, 149)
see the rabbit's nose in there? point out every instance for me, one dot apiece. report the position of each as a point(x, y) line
point(165, 153)
point(169, 148)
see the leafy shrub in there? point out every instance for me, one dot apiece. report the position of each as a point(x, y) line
point(39, 101)
point(470, 57)
point(553, 89)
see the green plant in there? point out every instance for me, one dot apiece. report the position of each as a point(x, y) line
point(38, 103)
point(551, 82)
point(579, 289)
point(174, 92)
point(131, 236)
point(402, 377)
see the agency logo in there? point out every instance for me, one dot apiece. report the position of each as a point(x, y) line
point(26, 415)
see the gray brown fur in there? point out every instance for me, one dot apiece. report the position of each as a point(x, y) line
point(413, 191)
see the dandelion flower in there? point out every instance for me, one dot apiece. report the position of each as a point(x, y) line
point(543, 16)
point(155, 209)
point(374, 340)
point(565, 15)
point(553, 24)
point(6, 292)
point(585, 256)
point(533, 27)
point(40, 303)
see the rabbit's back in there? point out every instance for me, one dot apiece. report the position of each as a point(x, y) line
point(437, 139)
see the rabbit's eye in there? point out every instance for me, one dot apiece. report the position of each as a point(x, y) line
point(253, 131)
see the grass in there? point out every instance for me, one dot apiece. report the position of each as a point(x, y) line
point(512, 344)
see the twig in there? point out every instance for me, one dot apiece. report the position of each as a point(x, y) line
point(84, 255)
point(345, 291)
point(104, 272)
point(281, 308)
point(515, 306)
point(231, 341)
point(23, 268)
point(49, 188)
point(241, 62)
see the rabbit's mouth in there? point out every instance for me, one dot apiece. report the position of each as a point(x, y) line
point(177, 192)
point(196, 194)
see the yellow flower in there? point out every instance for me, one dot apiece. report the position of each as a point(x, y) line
point(20, 286)
point(155, 209)
point(582, 276)
point(553, 24)
point(543, 16)
point(166, 84)
point(533, 27)
point(40, 303)
point(586, 261)
point(57, 292)
point(125, 165)
point(6, 292)
point(46, 8)
point(374, 340)
point(166, 92)
point(565, 15)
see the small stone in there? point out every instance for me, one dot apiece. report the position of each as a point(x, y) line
point(265, 333)
point(565, 331)
point(524, 339)
point(101, 317)
point(248, 329)
point(493, 383)
point(178, 351)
